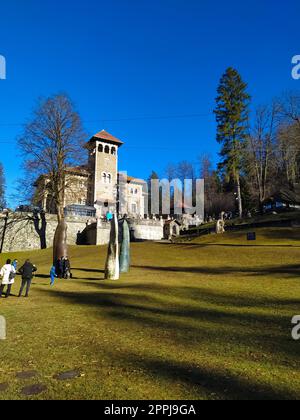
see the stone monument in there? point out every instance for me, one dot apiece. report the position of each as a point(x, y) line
point(60, 246)
point(220, 227)
point(112, 269)
point(125, 249)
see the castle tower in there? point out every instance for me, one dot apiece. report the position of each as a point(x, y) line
point(103, 165)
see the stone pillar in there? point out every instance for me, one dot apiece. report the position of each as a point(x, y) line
point(112, 269)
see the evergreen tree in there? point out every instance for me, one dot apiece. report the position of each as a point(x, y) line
point(232, 113)
point(2, 188)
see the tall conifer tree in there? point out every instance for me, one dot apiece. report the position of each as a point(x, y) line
point(232, 112)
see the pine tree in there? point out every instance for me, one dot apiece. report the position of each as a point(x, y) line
point(2, 188)
point(232, 112)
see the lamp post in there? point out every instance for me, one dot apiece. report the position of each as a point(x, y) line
point(5, 212)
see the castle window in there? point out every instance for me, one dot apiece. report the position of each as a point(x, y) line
point(134, 208)
point(113, 151)
point(109, 178)
point(100, 148)
point(107, 150)
point(104, 178)
point(136, 191)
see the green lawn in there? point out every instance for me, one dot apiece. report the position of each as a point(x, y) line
point(209, 319)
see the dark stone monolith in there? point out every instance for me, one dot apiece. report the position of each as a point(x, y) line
point(60, 247)
point(125, 249)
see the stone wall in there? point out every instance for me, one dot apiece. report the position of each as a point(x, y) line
point(24, 232)
point(147, 230)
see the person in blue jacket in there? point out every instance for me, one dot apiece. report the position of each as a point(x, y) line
point(53, 275)
point(15, 264)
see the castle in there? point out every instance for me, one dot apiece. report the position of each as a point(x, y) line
point(93, 189)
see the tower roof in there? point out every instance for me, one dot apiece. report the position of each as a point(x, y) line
point(106, 137)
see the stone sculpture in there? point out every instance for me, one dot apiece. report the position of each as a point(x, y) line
point(60, 246)
point(220, 227)
point(125, 249)
point(112, 269)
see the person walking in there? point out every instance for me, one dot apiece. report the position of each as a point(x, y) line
point(27, 271)
point(8, 274)
point(53, 275)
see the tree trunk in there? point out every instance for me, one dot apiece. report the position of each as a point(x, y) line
point(239, 196)
point(3, 233)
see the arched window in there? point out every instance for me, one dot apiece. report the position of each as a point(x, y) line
point(104, 177)
point(109, 178)
point(113, 151)
point(100, 148)
point(107, 150)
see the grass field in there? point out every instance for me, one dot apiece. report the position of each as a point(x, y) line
point(209, 319)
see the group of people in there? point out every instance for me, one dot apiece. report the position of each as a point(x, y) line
point(61, 269)
point(8, 274)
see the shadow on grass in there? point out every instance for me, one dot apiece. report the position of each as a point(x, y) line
point(88, 270)
point(246, 336)
point(228, 245)
point(291, 270)
point(212, 382)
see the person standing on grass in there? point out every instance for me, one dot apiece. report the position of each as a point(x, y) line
point(7, 273)
point(15, 264)
point(27, 271)
point(12, 276)
point(53, 275)
point(67, 268)
point(60, 267)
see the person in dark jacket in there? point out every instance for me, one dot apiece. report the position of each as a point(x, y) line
point(59, 267)
point(67, 268)
point(27, 271)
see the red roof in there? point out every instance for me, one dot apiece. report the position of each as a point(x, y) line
point(104, 135)
point(132, 179)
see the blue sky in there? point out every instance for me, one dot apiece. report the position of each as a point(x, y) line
point(124, 60)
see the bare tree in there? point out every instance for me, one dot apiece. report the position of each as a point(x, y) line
point(288, 140)
point(216, 200)
point(51, 143)
point(260, 153)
